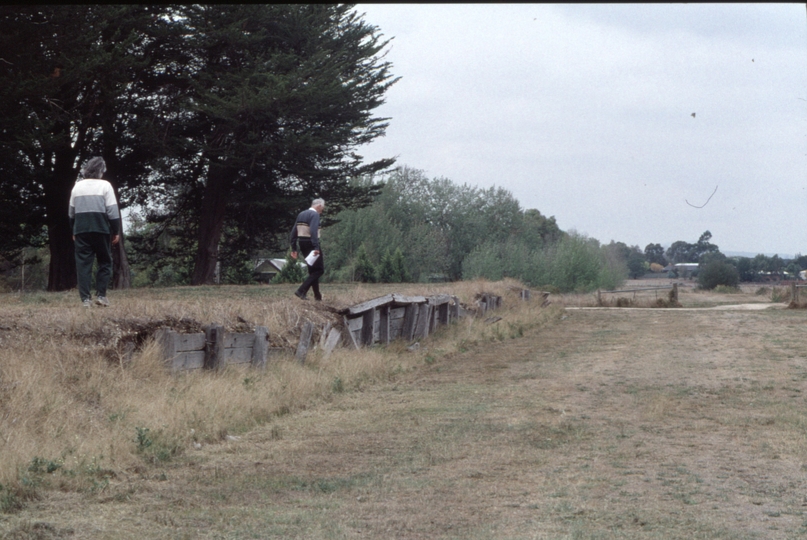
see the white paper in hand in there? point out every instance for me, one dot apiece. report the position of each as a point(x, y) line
point(311, 258)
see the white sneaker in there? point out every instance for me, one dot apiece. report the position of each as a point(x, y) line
point(87, 303)
point(102, 301)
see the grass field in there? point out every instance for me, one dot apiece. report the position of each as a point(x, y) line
point(551, 423)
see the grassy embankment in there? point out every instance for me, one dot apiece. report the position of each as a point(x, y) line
point(77, 406)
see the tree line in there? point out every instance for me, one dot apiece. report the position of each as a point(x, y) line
point(417, 229)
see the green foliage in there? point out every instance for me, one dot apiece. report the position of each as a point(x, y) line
point(9, 500)
point(363, 269)
point(436, 225)
point(574, 263)
point(654, 253)
point(160, 254)
point(239, 271)
point(718, 272)
point(393, 268)
point(632, 257)
point(292, 271)
point(578, 263)
point(683, 252)
point(155, 446)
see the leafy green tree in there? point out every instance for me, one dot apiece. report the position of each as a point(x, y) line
point(399, 266)
point(74, 82)
point(631, 256)
point(363, 269)
point(388, 270)
point(160, 252)
point(292, 271)
point(683, 252)
point(577, 263)
point(279, 97)
point(654, 253)
point(745, 269)
point(718, 271)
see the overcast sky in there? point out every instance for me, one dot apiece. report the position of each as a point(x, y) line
point(612, 118)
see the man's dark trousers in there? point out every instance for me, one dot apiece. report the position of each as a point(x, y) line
point(89, 246)
point(315, 271)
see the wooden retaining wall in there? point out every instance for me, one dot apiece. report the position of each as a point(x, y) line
point(379, 320)
point(214, 348)
point(395, 316)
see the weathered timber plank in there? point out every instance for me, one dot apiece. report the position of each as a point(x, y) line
point(410, 320)
point(350, 333)
point(368, 327)
point(433, 318)
point(370, 304)
point(442, 314)
point(423, 320)
point(455, 308)
point(238, 355)
point(214, 346)
point(188, 360)
point(167, 340)
point(238, 340)
point(331, 342)
point(439, 299)
point(353, 324)
point(260, 347)
point(401, 299)
point(383, 325)
point(324, 335)
point(305, 341)
point(396, 328)
point(190, 342)
point(396, 313)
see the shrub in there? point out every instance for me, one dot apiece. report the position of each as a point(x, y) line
point(717, 272)
point(364, 270)
point(291, 272)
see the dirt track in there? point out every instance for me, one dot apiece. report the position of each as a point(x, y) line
point(610, 423)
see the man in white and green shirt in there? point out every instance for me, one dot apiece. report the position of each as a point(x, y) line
point(95, 221)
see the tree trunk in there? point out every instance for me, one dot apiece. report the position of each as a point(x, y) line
point(211, 224)
point(121, 277)
point(62, 270)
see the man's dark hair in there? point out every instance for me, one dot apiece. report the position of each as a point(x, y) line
point(94, 168)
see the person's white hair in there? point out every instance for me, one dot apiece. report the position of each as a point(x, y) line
point(318, 202)
point(94, 168)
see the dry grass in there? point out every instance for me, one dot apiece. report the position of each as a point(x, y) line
point(689, 296)
point(576, 424)
point(84, 392)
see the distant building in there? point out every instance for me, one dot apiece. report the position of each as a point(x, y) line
point(682, 270)
point(266, 269)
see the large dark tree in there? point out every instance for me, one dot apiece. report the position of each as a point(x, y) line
point(71, 86)
point(275, 99)
point(228, 119)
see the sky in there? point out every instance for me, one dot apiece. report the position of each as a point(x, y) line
point(619, 120)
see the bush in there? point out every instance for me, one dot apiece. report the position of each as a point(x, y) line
point(716, 273)
point(291, 272)
point(363, 269)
